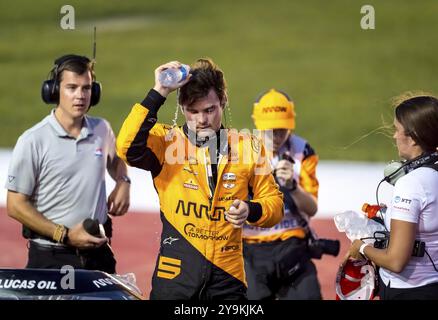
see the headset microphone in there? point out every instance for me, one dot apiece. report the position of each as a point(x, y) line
point(396, 169)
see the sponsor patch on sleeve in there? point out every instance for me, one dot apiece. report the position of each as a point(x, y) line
point(401, 203)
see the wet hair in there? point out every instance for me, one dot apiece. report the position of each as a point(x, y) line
point(419, 117)
point(206, 75)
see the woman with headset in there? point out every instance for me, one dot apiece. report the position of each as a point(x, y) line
point(412, 216)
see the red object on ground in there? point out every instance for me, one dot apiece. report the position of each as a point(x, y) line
point(356, 280)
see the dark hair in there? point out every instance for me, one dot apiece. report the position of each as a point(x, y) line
point(206, 75)
point(74, 63)
point(419, 118)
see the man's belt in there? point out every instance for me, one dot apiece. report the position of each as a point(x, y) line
point(27, 233)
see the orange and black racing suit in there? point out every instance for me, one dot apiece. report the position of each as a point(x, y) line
point(200, 252)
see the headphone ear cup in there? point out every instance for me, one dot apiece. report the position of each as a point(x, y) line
point(50, 92)
point(96, 90)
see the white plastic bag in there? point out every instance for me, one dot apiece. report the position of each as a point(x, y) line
point(357, 225)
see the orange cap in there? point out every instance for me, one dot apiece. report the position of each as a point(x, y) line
point(365, 207)
point(274, 110)
point(370, 210)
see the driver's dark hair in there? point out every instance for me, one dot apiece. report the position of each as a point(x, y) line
point(206, 75)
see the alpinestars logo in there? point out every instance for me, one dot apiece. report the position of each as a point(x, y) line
point(170, 240)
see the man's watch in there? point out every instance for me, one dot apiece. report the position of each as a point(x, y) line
point(125, 178)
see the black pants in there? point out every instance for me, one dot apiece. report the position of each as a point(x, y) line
point(219, 287)
point(198, 279)
point(52, 257)
point(281, 270)
point(427, 292)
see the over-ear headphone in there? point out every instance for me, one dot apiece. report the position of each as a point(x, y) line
point(396, 169)
point(50, 88)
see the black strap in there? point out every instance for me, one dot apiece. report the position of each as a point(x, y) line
point(433, 166)
point(217, 145)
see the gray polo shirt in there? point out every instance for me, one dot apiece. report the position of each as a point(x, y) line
point(64, 176)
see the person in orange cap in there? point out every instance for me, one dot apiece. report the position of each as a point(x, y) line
point(278, 263)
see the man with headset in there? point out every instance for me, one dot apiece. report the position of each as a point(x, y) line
point(56, 176)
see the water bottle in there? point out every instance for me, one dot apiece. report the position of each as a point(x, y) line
point(357, 225)
point(170, 77)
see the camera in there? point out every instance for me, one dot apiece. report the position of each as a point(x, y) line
point(318, 247)
point(290, 185)
point(382, 240)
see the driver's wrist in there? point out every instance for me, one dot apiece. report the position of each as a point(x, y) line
point(153, 101)
point(162, 91)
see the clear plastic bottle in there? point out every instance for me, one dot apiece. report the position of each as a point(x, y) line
point(357, 225)
point(170, 77)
